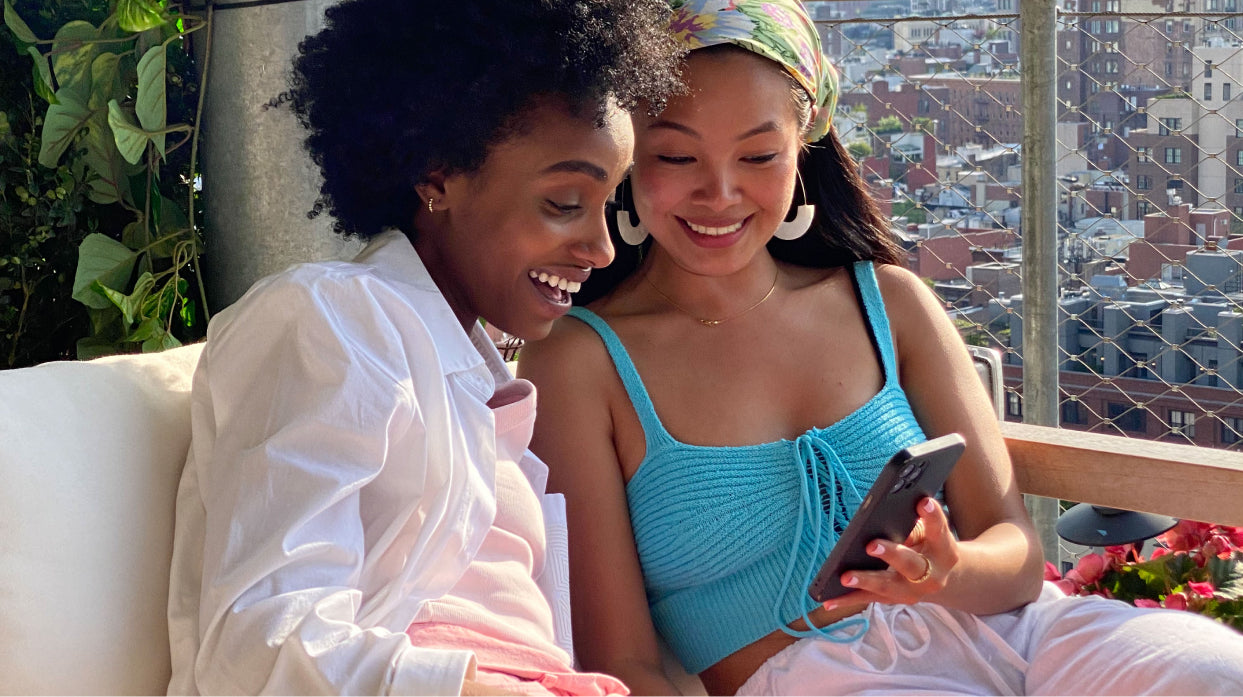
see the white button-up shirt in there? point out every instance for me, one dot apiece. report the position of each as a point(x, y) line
point(341, 474)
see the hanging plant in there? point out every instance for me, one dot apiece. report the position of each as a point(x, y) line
point(107, 123)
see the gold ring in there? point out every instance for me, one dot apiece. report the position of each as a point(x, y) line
point(927, 570)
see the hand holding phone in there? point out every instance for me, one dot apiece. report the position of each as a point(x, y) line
point(888, 511)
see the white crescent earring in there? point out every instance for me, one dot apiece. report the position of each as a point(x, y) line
point(798, 227)
point(630, 234)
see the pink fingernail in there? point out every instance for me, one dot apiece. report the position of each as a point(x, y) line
point(850, 581)
point(878, 548)
point(930, 506)
point(830, 605)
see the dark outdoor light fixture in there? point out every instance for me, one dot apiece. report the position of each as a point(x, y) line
point(1100, 526)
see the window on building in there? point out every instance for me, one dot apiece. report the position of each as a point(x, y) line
point(1183, 422)
point(1144, 155)
point(1141, 365)
point(1238, 128)
point(1168, 125)
point(1112, 26)
point(1127, 417)
point(1208, 69)
point(1238, 186)
point(1014, 404)
point(1238, 212)
point(1143, 182)
point(1141, 209)
point(1174, 156)
point(1225, 91)
point(1169, 69)
point(1186, 70)
point(1238, 158)
point(1071, 413)
point(1231, 430)
point(1111, 66)
point(1208, 91)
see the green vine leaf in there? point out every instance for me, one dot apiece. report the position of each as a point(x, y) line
point(162, 342)
point(130, 139)
point(110, 182)
point(151, 106)
point(42, 74)
point(139, 15)
point(104, 260)
point(106, 83)
point(17, 26)
point(130, 305)
point(6, 131)
point(72, 57)
point(62, 123)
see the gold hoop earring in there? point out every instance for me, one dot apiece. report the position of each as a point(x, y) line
point(429, 205)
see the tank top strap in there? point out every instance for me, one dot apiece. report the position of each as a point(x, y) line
point(878, 320)
point(639, 398)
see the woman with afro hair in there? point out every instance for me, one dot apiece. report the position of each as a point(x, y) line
point(359, 513)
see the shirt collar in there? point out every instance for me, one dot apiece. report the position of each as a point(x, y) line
point(394, 259)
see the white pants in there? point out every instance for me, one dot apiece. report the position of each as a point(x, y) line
point(1057, 645)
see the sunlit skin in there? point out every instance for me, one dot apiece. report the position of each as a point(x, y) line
point(725, 157)
point(712, 160)
point(536, 206)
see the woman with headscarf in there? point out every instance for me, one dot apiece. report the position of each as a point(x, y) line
point(731, 391)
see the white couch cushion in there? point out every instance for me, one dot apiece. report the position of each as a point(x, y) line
point(90, 456)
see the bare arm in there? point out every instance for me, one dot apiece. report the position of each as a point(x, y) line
point(574, 435)
point(995, 564)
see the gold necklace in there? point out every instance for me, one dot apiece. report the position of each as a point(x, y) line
point(714, 322)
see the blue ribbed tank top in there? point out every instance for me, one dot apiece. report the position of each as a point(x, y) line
point(729, 538)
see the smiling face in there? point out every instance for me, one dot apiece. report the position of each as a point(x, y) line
point(715, 172)
point(510, 241)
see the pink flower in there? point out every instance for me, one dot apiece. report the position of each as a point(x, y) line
point(1050, 572)
point(1091, 567)
point(1066, 586)
point(1175, 601)
point(1186, 536)
point(1159, 552)
point(1146, 602)
point(1217, 546)
point(1235, 535)
point(1204, 589)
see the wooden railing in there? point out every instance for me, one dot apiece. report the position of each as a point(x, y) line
point(1183, 481)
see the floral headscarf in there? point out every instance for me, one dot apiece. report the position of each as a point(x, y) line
point(779, 30)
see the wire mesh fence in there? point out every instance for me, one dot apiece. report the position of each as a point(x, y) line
point(1149, 175)
point(1150, 178)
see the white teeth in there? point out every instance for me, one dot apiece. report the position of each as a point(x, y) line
point(555, 281)
point(714, 231)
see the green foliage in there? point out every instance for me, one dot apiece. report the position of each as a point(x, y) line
point(888, 124)
point(98, 250)
point(859, 149)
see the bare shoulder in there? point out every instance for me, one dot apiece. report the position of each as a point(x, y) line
point(908, 299)
point(571, 356)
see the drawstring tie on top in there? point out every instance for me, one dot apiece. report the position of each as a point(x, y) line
point(810, 451)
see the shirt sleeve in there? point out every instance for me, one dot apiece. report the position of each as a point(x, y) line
point(306, 393)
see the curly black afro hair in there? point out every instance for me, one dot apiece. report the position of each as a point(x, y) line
point(391, 90)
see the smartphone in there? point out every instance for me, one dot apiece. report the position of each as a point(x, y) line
point(888, 511)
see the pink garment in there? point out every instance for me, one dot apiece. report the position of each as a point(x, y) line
point(496, 609)
point(516, 667)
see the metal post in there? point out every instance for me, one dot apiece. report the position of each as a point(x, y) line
point(258, 180)
point(1038, 58)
